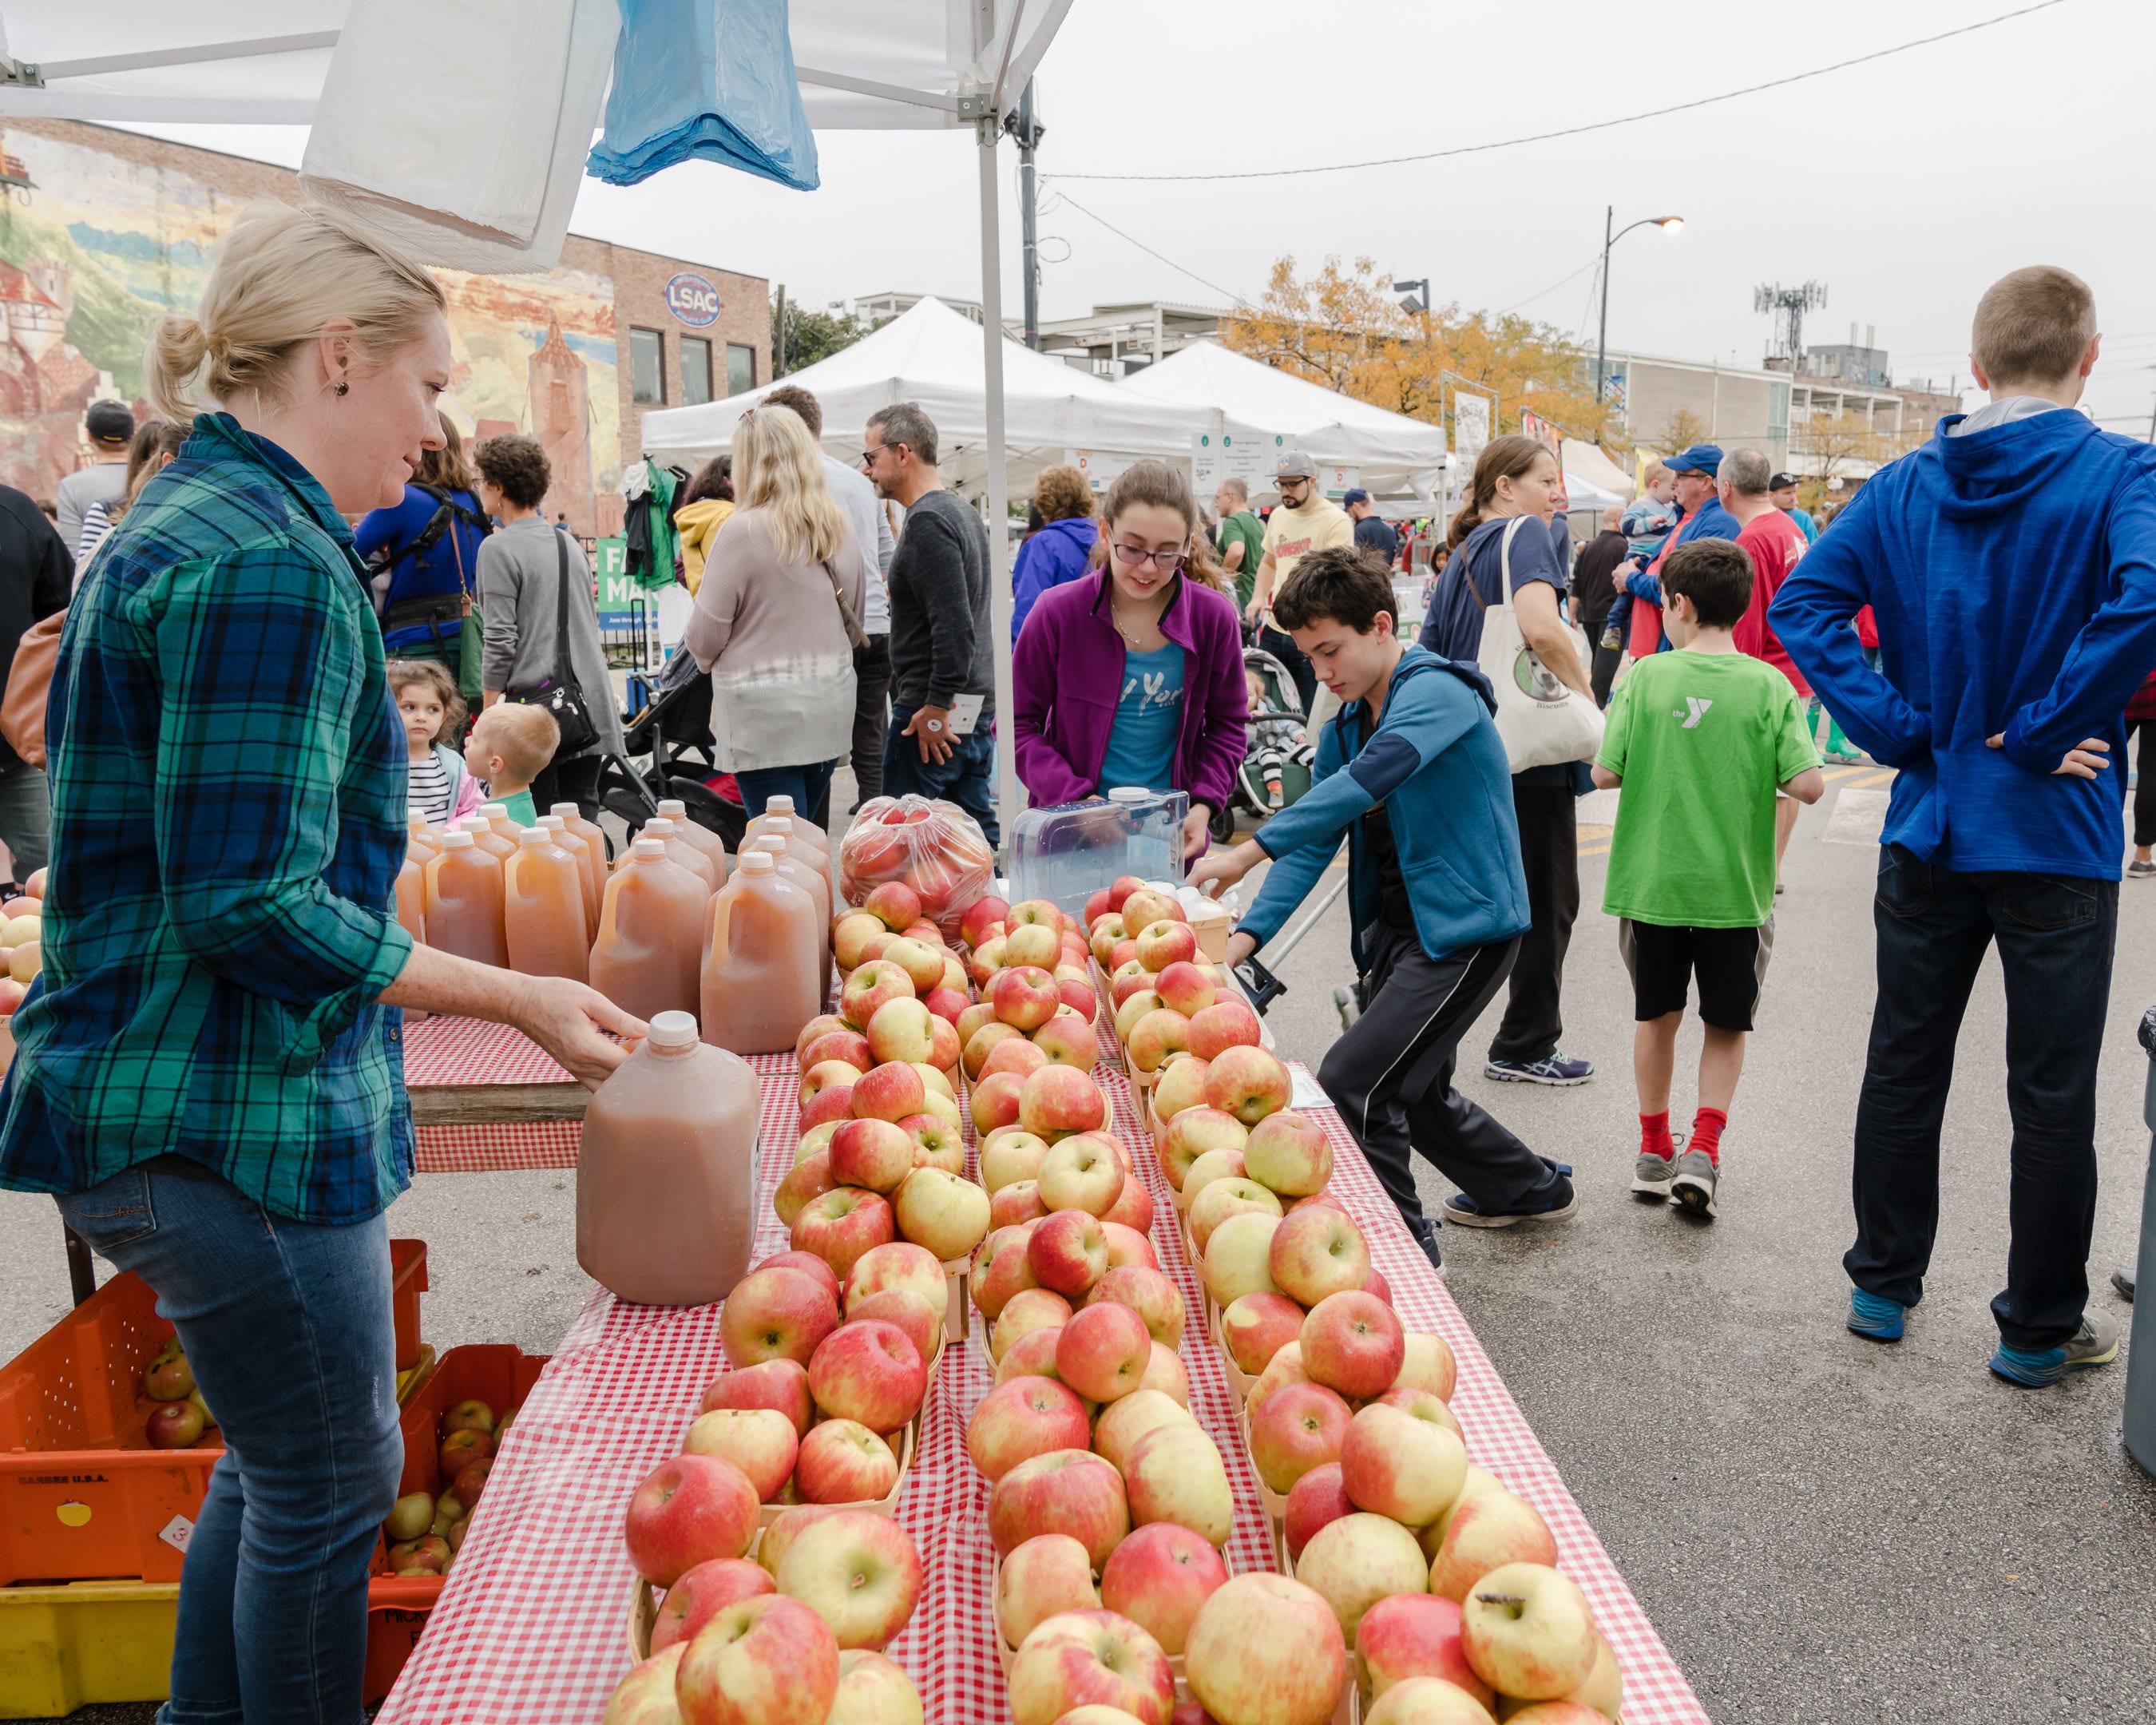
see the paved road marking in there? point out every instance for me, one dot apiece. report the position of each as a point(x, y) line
point(1858, 818)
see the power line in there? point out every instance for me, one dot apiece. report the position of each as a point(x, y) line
point(1570, 131)
point(1225, 293)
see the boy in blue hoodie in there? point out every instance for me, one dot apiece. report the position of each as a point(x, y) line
point(1411, 771)
point(2011, 566)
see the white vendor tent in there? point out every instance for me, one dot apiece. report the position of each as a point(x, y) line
point(897, 64)
point(1396, 454)
point(1586, 467)
point(931, 356)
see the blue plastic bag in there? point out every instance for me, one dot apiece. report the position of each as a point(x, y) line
point(711, 78)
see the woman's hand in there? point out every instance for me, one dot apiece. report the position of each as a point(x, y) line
point(2085, 760)
point(566, 1018)
point(1195, 837)
point(1226, 866)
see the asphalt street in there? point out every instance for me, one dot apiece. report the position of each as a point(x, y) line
point(1823, 1529)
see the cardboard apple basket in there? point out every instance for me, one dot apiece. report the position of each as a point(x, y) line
point(934, 847)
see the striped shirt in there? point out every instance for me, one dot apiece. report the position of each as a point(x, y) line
point(427, 789)
point(228, 809)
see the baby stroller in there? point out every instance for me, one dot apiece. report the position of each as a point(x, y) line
point(1277, 753)
point(673, 725)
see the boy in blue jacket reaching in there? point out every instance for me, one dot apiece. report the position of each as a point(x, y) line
point(1412, 772)
point(2011, 566)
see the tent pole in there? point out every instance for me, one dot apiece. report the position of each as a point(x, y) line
point(987, 130)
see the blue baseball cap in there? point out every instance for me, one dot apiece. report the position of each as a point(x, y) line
point(1700, 458)
point(1355, 494)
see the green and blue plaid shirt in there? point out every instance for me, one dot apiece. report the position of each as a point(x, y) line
point(228, 789)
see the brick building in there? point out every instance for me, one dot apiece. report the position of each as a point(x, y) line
point(114, 230)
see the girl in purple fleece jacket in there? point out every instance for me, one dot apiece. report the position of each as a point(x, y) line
point(1133, 673)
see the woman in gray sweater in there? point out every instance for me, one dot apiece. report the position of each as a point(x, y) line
point(520, 574)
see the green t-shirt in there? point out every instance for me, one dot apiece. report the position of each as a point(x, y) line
point(1701, 741)
point(1244, 529)
point(521, 809)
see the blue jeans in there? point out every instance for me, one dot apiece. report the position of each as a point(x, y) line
point(806, 785)
point(967, 776)
point(288, 1328)
point(2055, 936)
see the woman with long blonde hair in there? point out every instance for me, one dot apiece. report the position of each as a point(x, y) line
point(777, 618)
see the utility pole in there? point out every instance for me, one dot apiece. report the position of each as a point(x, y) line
point(1668, 224)
point(1027, 130)
point(778, 341)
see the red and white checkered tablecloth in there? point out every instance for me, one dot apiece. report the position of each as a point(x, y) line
point(451, 1050)
point(531, 1625)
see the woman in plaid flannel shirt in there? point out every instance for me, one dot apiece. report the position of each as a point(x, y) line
point(208, 1077)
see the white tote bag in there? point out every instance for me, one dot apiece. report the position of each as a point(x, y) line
point(1544, 722)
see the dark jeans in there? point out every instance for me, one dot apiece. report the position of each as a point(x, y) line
point(1549, 852)
point(967, 776)
point(575, 780)
point(2055, 936)
point(288, 1328)
point(806, 785)
point(871, 714)
point(1283, 647)
point(1391, 1075)
point(1601, 671)
point(2144, 789)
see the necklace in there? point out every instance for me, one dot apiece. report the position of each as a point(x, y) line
point(1132, 638)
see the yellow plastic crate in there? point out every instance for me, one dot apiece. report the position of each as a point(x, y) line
point(64, 1647)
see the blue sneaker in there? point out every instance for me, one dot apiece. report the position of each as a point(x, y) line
point(2096, 1343)
point(1463, 1211)
point(1555, 1069)
point(1424, 1232)
point(1874, 1317)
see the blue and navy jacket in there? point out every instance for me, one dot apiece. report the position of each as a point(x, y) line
point(1437, 764)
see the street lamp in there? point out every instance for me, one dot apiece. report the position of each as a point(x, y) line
point(1668, 224)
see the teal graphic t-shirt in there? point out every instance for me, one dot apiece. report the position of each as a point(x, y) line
point(1148, 719)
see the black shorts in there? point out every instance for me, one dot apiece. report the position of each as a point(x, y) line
point(1731, 964)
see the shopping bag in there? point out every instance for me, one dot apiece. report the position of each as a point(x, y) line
point(1542, 720)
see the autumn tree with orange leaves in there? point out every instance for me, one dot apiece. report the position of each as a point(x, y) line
point(1343, 328)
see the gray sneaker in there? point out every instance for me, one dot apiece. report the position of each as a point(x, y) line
point(1693, 1188)
point(1651, 1175)
point(2140, 871)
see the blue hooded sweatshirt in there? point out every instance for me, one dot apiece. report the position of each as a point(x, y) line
point(1437, 764)
point(2013, 573)
point(1057, 553)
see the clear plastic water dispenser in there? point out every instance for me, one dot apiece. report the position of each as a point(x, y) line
point(1066, 852)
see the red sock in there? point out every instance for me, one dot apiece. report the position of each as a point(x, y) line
point(1706, 1127)
point(1655, 1134)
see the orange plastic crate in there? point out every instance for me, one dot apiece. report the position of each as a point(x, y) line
point(82, 1495)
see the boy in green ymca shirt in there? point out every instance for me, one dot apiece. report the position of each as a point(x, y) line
point(1700, 739)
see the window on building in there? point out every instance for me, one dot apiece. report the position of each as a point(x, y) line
point(1777, 412)
point(647, 368)
point(740, 368)
point(695, 371)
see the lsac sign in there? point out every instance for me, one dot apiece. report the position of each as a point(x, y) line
point(693, 300)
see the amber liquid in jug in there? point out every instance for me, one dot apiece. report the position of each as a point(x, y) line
point(801, 868)
point(681, 850)
point(760, 980)
point(781, 807)
point(543, 909)
point(666, 1177)
point(595, 846)
point(463, 902)
point(695, 833)
point(483, 835)
point(646, 957)
point(590, 877)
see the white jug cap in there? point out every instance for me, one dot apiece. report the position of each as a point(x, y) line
point(758, 862)
point(1129, 793)
point(673, 1029)
point(780, 824)
point(494, 811)
point(674, 808)
point(552, 823)
point(567, 811)
point(528, 836)
point(778, 805)
point(458, 840)
point(650, 850)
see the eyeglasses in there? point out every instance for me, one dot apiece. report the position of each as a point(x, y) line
point(1166, 562)
point(868, 456)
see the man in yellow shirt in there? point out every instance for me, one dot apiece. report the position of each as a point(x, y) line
point(1306, 521)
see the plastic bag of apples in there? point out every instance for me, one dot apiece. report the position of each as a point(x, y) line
point(933, 848)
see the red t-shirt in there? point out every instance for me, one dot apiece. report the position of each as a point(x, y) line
point(1775, 543)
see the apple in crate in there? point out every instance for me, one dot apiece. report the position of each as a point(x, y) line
point(1317, 1251)
point(1015, 1054)
point(823, 1024)
point(874, 982)
point(902, 1029)
point(873, 1690)
point(1528, 1632)
point(1248, 1083)
point(902, 1264)
point(1352, 1343)
point(1284, 1368)
point(1079, 1001)
point(1059, 1099)
point(781, 1384)
point(1224, 1161)
point(841, 1225)
point(1396, 1464)
point(1027, 1310)
point(1014, 1155)
point(902, 1307)
point(689, 1510)
point(1257, 1326)
point(1158, 1034)
point(1296, 1428)
point(869, 1371)
point(876, 1153)
point(1132, 1008)
point(175, 1425)
point(1359, 1559)
point(1070, 1491)
point(1289, 1153)
point(1020, 1201)
point(1426, 1362)
point(1318, 1498)
point(1228, 1023)
point(937, 1142)
point(701, 1594)
point(807, 1180)
point(1067, 1252)
point(843, 1461)
point(1183, 986)
point(1145, 906)
point(848, 1047)
point(1042, 1577)
point(1167, 1375)
point(943, 1211)
point(1024, 996)
point(979, 916)
point(1175, 1474)
point(1000, 1269)
point(1033, 1355)
point(1182, 1087)
point(1123, 1422)
point(1103, 1351)
point(1097, 1659)
point(1416, 1635)
point(1032, 946)
point(1083, 1172)
point(1221, 1200)
point(770, 1660)
point(995, 1099)
point(1150, 1294)
point(1194, 1132)
point(858, 1571)
point(760, 1441)
point(1238, 1257)
point(1486, 1531)
point(1159, 1578)
point(1164, 943)
point(923, 964)
point(1022, 1418)
point(1265, 1651)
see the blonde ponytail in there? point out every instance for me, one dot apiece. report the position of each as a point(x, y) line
point(282, 277)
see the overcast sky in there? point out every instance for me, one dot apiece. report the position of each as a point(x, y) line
point(1906, 185)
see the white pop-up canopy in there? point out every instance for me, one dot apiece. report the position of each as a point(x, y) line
point(894, 63)
point(1397, 454)
point(930, 356)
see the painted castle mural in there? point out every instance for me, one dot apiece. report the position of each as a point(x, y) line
point(94, 247)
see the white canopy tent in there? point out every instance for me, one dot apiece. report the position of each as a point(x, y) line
point(898, 64)
point(931, 356)
point(1396, 454)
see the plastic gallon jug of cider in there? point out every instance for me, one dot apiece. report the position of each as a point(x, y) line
point(412, 895)
point(424, 840)
point(591, 877)
point(681, 851)
point(646, 957)
point(782, 808)
point(543, 909)
point(463, 902)
point(595, 843)
point(760, 982)
point(702, 837)
point(666, 1178)
point(483, 835)
point(804, 873)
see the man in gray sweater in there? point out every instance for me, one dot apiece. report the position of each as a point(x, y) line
point(942, 647)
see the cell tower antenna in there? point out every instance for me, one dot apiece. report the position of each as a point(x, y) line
point(1787, 305)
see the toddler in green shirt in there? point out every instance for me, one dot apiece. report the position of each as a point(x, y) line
point(1700, 739)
